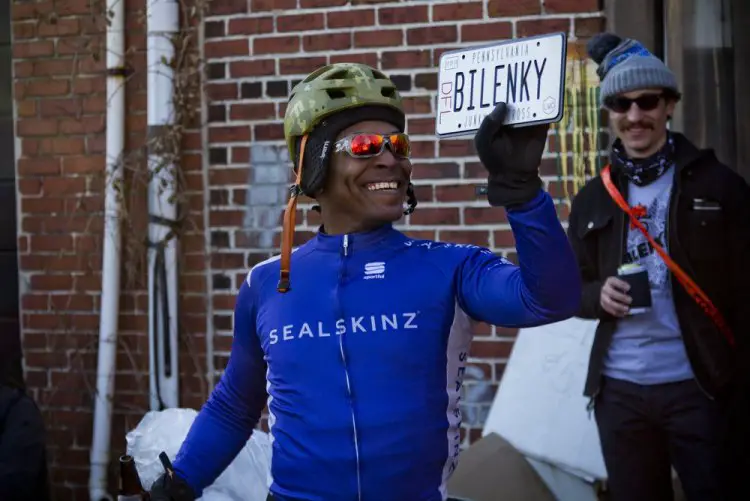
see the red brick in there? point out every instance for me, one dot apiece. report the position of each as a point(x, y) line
point(227, 48)
point(541, 26)
point(229, 134)
point(404, 15)
point(61, 27)
point(422, 149)
point(434, 216)
point(455, 193)
point(29, 186)
point(88, 85)
point(24, 50)
point(53, 108)
point(378, 38)
point(220, 177)
point(36, 127)
point(406, 59)
point(252, 68)
point(504, 8)
point(489, 31)
point(421, 126)
point(254, 111)
point(432, 35)
point(457, 11)
point(250, 25)
point(351, 18)
point(24, 30)
point(267, 132)
point(435, 170)
point(300, 22)
point(326, 42)
point(484, 215)
point(457, 148)
point(266, 5)
point(426, 80)
point(504, 238)
point(228, 7)
point(566, 6)
point(83, 164)
point(276, 45)
point(417, 104)
point(301, 65)
point(316, 4)
point(36, 88)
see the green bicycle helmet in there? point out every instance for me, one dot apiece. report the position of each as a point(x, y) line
point(328, 101)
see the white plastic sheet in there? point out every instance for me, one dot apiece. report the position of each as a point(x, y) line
point(540, 407)
point(246, 478)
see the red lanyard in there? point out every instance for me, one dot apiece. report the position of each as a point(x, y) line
point(687, 283)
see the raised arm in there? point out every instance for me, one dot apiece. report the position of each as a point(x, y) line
point(228, 418)
point(545, 287)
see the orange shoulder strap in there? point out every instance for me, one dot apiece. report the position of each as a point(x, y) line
point(687, 283)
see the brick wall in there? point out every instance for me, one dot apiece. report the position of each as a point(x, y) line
point(60, 100)
point(255, 51)
point(256, 54)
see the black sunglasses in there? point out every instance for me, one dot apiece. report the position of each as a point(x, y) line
point(646, 102)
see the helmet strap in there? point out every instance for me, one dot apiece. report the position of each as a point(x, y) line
point(411, 200)
point(287, 235)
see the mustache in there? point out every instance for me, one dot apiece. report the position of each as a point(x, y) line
point(643, 124)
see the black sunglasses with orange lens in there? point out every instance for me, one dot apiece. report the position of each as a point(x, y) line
point(367, 145)
point(620, 104)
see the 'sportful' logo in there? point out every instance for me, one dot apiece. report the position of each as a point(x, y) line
point(375, 270)
point(324, 151)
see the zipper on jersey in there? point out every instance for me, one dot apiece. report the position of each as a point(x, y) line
point(342, 277)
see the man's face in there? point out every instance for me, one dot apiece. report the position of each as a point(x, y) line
point(639, 119)
point(361, 193)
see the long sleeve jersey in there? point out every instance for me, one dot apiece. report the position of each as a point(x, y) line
point(361, 362)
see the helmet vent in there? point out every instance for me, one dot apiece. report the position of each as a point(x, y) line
point(339, 75)
point(379, 75)
point(388, 92)
point(335, 93)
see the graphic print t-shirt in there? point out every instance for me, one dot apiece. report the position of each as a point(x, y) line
point(647, 348)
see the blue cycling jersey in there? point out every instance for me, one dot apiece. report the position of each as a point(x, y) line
point(361, 363)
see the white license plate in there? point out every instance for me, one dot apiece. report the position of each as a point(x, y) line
point(528, 74)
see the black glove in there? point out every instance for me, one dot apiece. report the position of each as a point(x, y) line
point(512, 157)
point(169, 486)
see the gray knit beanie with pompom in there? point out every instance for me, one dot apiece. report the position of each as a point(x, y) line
point(626, 65)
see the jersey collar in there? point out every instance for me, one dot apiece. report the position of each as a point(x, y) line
point(384, 235)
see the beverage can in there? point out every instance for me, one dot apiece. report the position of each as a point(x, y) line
point(637, 276)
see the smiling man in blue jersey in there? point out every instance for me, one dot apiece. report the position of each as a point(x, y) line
point(359, 338)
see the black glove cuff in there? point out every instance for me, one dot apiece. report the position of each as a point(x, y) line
point(506, 191)
point(171, 488)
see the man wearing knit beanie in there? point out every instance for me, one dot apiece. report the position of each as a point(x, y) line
point(667, 374)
